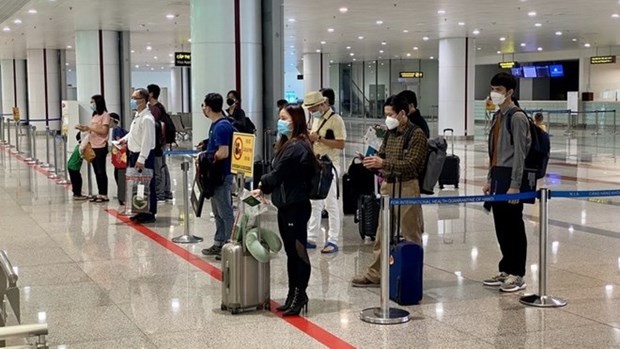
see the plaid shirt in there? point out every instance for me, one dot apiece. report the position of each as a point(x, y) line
point(400, 160)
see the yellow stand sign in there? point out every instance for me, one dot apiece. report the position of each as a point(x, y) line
point(16, 115)
point(242, 153)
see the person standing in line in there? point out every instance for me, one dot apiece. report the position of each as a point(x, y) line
point(328, 137)
point(141, 142)
point(162, 176)
point(401, 156)
point(98, 132)
point(507, 162)
point(119, 158)
point(290, 186)
point(220, 146)
point(415, 116)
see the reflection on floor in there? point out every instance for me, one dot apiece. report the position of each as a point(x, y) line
point(101, 283)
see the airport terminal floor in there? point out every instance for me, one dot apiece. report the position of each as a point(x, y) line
point(100, 281)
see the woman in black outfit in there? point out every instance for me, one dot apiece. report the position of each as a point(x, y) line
point(290, 184)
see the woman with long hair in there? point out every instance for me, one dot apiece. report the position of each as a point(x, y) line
point(290, 185)
point(98, 132)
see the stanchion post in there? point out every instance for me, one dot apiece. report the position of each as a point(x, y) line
point(89, 179)
point(35, 159)
point(2, 130)
point(186, 238)
point(596, 120)
point(615, 127)
point(47, 148)
point(8, 133)
point(64, 161)
point(541, 299)
point(29, 144)
point(54, 173)
point(17, 138)
point(384, 315)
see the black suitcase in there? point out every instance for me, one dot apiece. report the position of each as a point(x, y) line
point(349, 197)
point(451, 171)
point(368, 208)
point(357, 181)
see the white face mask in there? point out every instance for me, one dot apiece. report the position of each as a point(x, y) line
point(498, 98)
point(391, 122)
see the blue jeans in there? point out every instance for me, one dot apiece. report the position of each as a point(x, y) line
point(221, 204)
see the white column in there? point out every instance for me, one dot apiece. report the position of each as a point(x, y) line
point(14, 84)
point(94, 60)
point(186, 73)
point(456, 86)
point(213, 54)
point(252, 66)
point(316, 71)
point(44, 88)
point(175, 100)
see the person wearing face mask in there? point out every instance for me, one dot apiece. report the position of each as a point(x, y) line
point(401, 157)
point(237, 115)
point(219, 146)
point(98, 132)
point(507, 163)
point(328, 137)
point(141, 142)
point(289, 185)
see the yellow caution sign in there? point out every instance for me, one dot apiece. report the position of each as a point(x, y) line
point(242, 153)
point(16, 116)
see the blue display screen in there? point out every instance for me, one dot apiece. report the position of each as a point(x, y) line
point(556, 71)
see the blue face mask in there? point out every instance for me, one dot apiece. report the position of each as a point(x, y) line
point(284, 128)
point(93, 107)
point(133, 104)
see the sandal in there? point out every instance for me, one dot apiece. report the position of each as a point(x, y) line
point(330, 247)
point(99, 199)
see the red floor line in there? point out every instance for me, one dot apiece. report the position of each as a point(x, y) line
point(35, 167)
point(301, 323)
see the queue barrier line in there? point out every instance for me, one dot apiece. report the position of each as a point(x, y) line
point(451, 200)
point(181, 152)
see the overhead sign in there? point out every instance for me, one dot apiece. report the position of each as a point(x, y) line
point(602, 59)
point(411, 74)
point(243, 154)
point(183, 59)
point(508, 65)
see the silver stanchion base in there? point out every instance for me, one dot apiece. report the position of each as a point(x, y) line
point(187, 239)
point(375, 316)
point(45, 166)
point(535, 300)
point(53, 176)
point(64, 181)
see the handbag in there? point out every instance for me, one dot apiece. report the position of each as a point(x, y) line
point(88, 154)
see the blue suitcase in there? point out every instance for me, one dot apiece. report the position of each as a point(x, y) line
point(406, 264)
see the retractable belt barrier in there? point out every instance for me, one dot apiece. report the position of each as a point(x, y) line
point(384, 314)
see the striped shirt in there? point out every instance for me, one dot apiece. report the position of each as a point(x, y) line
point(400, 160)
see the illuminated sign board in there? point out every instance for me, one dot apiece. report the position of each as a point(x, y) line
point(411, 74)
point(183, 59)
point(602, 59)
point(507, 65)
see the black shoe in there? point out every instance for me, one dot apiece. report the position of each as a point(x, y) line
point(300, 302)
point(288, 301)
point(136, 217)
point(212, 251)
point(145, 218)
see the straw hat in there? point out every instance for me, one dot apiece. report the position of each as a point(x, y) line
point(314, 98)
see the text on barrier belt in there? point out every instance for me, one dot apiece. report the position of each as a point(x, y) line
point(583, 193)
point(462, 199)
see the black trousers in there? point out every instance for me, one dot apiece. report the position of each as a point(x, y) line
point(99, 167)
point(293, 225)
point(76, 182)
point(510, 231)
point(132, 158)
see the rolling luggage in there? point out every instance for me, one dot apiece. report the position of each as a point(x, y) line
point(368, 210)
point(245, 280)
point(406, 265)
point(451, 171)
point(356, 182)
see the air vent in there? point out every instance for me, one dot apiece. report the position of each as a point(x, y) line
point(10, 7)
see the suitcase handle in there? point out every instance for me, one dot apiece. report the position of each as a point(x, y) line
point(448, 129)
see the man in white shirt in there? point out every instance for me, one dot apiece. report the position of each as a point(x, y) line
point(328, 135)
point(140, 143)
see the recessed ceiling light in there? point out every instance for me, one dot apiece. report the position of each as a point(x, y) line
point(148, 65)
point(574, 39)
point(502, 39)
point(586, 45)
point(291, 20)
point(351, 54)
point(522, 44)
point(323, 42)
point(558, 33)
point(69, 47)
point(354, 59)
point(540, 49)
point(479, 48)
point(405, 31)
point(32, 11)
point(6, 29)
point(476, 32)
point(67, 64)
point(348, 47)
point(383, 43)
point(170, 55)
point(360, 37)
point(461, 23)
point(148, 48)
point(538, 24)
point(426, 38)
point(381, 51)
point(379, 22)
point(408, 54)
point(441, 12)
point(152, 68)
point(189, 40)
point(499, 52)
point(17, 21)
point(133, 51)
point(331, 61)
point(532, 13)
point(155, 57)
point(415, 48)
point(615, 15)
point(432, 57)
point(330, 30)
point(170, 16)
point(343, 10)
point(162, 68)
point(318, 51)
point(137, 66)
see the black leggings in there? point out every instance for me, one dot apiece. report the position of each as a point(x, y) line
point(293, 225)
point(76, 182)
point(99, 167)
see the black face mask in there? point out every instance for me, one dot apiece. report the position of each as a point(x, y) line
point(230, 101)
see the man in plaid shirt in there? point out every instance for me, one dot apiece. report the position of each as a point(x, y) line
point(401, 157)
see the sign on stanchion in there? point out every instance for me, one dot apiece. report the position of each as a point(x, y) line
point(384, 315)
point(186, 238)
point(542, 299)
point(243, 154)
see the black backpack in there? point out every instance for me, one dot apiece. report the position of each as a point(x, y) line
point(169, 128)
point(538, 156)
point(322, 179)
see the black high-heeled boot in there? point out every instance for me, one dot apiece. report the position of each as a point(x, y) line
point(288, 301)
point(300, 301)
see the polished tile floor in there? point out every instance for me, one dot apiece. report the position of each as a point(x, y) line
point(102, 283)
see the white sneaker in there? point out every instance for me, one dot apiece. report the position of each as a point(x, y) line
point(513, 283)
point(496, 280)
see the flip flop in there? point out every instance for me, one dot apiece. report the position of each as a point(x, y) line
point(330, 247)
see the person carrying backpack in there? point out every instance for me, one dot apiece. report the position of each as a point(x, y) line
point(509, 144)
point(162, 129)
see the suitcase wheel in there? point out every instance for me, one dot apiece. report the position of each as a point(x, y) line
point(441, 186)
point(456, 186)
point(373, 238)
point(223, 307)
point(267, 306)
point(235, 311)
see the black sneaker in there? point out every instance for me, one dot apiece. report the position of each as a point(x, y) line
point(212, 251)
point(145, 218)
